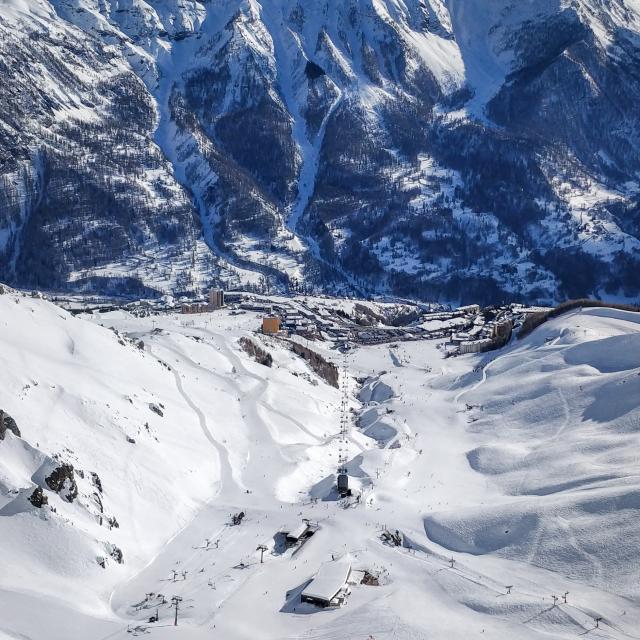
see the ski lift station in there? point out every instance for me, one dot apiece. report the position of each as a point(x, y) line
point(301, 534)
point(343, 484)
point(329, 587)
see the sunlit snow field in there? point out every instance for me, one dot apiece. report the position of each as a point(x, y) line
point(516, 468)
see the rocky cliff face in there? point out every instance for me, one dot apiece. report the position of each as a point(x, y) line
point(430, 148)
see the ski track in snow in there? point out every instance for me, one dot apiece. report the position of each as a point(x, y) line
point(222, 455)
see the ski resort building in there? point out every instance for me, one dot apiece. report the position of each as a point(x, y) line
point(343, 484)
point(502, 330)
point(469, 310)
point(216, 299)
point(293, 537)
point(270, 324)
point(298, 536)
point(329, 587)
point(195, 307)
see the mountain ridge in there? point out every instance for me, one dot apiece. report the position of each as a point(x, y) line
point(434, 150)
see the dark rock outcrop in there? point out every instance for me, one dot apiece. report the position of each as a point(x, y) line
point(156, 409)
point(62, 481)
point(7, 423)
point(116, 553)
point(313, 71)
point(95, 480)
point(38, 498)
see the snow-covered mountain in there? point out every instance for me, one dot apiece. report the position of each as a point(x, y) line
point(431, 148)
point(127, 443)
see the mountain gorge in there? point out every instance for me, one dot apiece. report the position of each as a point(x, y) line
point(438, 149)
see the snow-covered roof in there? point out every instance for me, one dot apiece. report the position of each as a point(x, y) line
point(331, 577)
point(296, 533)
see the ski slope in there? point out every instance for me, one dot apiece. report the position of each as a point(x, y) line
point(510, 469)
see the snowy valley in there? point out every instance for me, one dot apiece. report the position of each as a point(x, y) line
point(493, 495)
point(298, 370)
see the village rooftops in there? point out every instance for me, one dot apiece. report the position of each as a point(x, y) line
point(330, 580)
point(470, 308)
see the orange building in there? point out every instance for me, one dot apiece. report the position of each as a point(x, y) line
point(270, 324)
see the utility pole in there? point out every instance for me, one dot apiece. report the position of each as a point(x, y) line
point(261, 548)
point(345, 421)
point(175, 602)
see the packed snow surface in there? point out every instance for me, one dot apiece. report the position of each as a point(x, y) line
point(510, 477)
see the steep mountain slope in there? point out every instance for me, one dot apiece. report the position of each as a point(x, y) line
point(514, 468)
point(435, 149)
point(84, 186)
point(126, 440)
